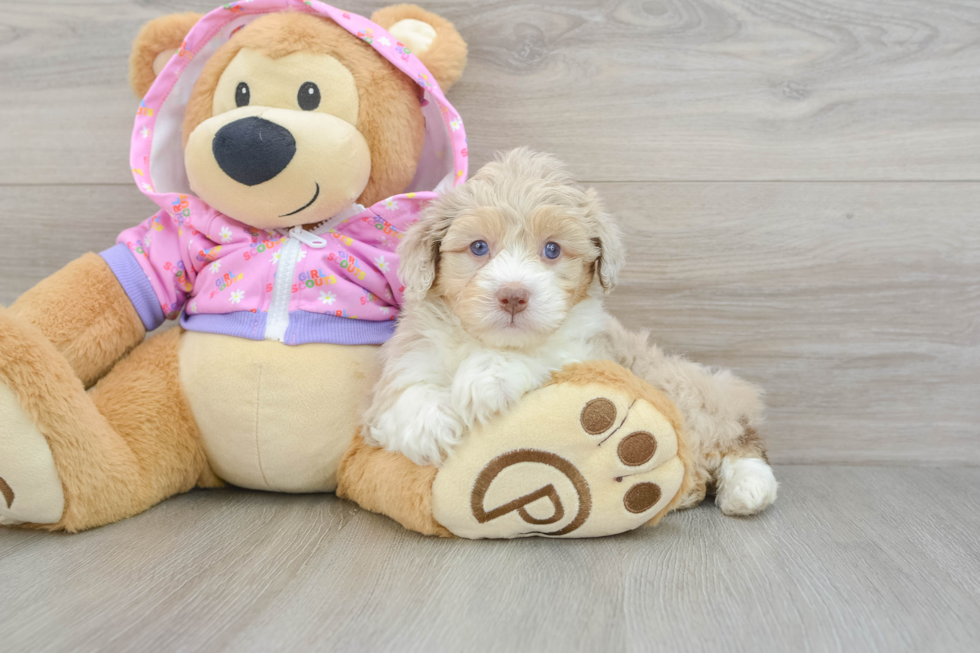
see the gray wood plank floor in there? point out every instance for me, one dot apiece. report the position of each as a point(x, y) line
point(849, 559)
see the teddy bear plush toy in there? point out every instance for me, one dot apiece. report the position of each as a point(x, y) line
point(288, 145)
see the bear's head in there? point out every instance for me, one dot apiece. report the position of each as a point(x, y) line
point(294, 119)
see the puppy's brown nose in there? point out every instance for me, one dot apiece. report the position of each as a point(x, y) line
point(513, 298)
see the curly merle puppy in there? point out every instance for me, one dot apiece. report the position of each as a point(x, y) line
point(504, 280)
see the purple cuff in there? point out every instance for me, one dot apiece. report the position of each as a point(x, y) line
point(133, 280)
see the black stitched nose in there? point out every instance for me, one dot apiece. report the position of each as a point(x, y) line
point(253, 150)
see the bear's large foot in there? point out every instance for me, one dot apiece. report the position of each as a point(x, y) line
point(596, 453)
point(30, 490)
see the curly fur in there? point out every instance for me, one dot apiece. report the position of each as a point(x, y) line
point(456, 358)
point(442, 373)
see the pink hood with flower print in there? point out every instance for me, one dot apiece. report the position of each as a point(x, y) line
point(335, 284)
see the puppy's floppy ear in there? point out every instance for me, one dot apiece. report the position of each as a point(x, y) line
point(157, 41)
point(419, 251)
point(607, 236)
point(431, 38)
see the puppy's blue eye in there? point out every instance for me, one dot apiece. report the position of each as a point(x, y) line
point(552, 250)
point(480, 248)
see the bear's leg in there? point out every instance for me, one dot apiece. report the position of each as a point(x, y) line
point(71, 459)
point(389, 483)
point(85, 314)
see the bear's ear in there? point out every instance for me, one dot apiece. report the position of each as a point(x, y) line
point(431, 38)
point(157, 41)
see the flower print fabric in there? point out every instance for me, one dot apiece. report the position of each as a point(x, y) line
point(220, 275)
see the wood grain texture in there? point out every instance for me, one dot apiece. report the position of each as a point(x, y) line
point(622, 89)
point(855, 305)
point(58, 224)
point(848, 559)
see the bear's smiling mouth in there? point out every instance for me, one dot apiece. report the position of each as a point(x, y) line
point(305, 206)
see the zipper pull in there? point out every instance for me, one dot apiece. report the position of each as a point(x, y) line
point(305, 237)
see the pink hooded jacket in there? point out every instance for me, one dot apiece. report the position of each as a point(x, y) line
point(337, 285)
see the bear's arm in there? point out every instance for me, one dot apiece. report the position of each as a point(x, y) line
point(84, 311)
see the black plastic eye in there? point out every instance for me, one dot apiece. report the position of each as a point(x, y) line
point(480, 248)
point(242, 95)
point(308, 96)
point(552, 250)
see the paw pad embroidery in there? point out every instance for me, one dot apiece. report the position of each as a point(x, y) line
point(598, 416)
point(641, 497)
point(637, 448)
point(8, 494)
point(500, 463)
point(600, 463)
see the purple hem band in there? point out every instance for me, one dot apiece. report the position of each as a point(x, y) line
point(241, 324)
point(134, 282)
point(304, 327)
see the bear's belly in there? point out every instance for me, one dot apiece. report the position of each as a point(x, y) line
point(272, 416)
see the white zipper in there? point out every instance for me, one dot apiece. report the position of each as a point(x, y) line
point(307, 238)
point(277, 320)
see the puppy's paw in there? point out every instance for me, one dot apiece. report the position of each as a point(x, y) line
point(487, 384)
point(746, 486)
point(418, 427)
